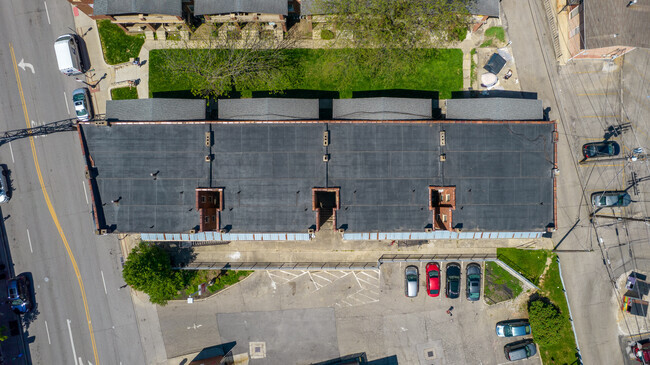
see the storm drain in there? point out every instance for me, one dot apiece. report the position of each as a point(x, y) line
point(257, 350)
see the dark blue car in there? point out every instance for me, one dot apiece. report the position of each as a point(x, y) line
point(19, 294)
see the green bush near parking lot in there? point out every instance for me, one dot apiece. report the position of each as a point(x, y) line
point(222, 279)
point(124, 93)
point(529, 263)
point(328, 70)
point(545, 318)
point(564, 350)
point(499, 284)
point(148, 269)
point(118, 46)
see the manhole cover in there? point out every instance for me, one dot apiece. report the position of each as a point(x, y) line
point(429, 354)
point(257, 350)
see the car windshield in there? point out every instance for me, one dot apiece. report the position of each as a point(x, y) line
point(507, 330)
point(433, 274)
point(411, 277)
point(434, 291)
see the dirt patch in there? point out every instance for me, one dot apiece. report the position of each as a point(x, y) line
point(499, 284)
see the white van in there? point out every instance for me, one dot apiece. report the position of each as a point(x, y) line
point(67, 55)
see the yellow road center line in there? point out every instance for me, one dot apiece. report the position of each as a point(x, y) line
point(50, 207)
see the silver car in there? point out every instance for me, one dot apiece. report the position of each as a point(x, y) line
point(610, 199)
point(411, 279)
point(82, 107)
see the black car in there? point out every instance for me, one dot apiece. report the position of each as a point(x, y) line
point(453, 280)
point(600, 149)
point(520, 350)
point(473, 282)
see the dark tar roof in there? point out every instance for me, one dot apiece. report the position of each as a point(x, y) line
point(382, 108)
point(502, 174)
point(208, 7)
point(155, 109)
point(484, 7)
point(494, 109)
point(118, 7)
point(268, 109)
point(611, 23)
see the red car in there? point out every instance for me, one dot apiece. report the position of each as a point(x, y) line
point(433, 279)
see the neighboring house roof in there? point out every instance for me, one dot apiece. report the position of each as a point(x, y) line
point(155, 109)
point(267, 171)
point(484, 7)
point(382, 108)
point(268, 109)
point(610, 23)
point(120, 7)
point(494, 109)
point(211, 7)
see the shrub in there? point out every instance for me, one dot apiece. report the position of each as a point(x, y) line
point(460, 33)
point(326, 34)
point(546, 321)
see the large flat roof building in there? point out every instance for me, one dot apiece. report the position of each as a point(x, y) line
point(416, 178)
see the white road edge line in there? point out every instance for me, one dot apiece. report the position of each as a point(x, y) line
point(47, 13)
point(12, 153)
point(83, 183)
point(65, 97)
point(74, 352)
point(30, 242)
point(47, 330)
point(103, 281)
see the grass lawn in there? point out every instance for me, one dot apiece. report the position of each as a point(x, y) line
point(564, 352)
point(529, 263)
point(122, 93)
point(496, 32)
point(117, 46)
point(499, 284)
point(325, 70)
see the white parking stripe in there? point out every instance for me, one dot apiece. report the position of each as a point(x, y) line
point(74, 352)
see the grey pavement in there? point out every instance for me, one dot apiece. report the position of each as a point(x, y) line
point(585, 99)
point(305, 317)
point(47, 241)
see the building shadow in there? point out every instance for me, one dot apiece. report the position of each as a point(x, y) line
point(297, 94)
point(213, 355)
point(467, 94)
point(359, 359)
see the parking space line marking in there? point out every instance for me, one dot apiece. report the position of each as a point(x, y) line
point(313, 281)
point(47, 13)
point(74, 352)
point(373, 292)
point(103, 281)
point(371, 298)
point(83, 183)
point(12, 153)
point(30, 242)
point(65, 97)
point(367, 282)
point(47, 330)
point(318, 276)
point(358, 282)
point(370, 276)
point(346, 302)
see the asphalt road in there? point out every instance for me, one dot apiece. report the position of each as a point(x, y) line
point(586, 97)
point(49, 240)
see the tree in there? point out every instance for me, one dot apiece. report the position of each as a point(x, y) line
point(231, 59)
point(394, 24)
point(546, 322)
point(148, 269)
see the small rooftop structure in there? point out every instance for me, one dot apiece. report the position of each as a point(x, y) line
point(495, 109)
point(208, 7)
point(382, 108)
point(484, 7)
point(155, 109)
point(268, 109)
point(120, 7)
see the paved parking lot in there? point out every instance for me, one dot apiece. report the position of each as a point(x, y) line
point(299, 317)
